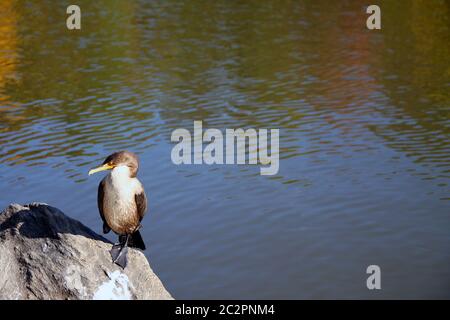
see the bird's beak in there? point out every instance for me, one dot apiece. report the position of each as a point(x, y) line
point(101, 168)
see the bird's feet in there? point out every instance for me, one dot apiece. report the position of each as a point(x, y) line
point(119, 253)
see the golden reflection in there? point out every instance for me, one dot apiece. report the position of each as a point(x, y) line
point(430, 26)
point(139, 69)
point(8, 47)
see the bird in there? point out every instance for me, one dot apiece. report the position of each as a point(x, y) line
point(122, 203)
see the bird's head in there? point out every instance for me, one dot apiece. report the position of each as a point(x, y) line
point(122, 160)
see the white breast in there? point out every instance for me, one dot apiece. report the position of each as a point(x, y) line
point(119, 199)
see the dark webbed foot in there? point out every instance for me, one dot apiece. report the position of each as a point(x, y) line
point(119, 253)
point(115, 250)
point(119, 256)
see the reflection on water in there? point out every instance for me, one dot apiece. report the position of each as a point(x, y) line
point(364, 136)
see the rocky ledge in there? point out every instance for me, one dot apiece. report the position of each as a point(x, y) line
point(46, 255)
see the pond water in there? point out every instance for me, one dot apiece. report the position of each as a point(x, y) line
point(364, 137)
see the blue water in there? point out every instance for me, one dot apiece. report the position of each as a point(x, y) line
point(364, 137)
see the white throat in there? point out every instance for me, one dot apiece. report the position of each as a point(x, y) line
point(120, 176)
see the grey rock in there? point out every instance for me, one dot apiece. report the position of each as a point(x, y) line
point(46, 255)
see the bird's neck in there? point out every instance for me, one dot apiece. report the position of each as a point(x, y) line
point(120, 175)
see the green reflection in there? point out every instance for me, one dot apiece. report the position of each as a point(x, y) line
point(139, 69)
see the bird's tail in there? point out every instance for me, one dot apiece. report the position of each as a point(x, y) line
point(136, 241)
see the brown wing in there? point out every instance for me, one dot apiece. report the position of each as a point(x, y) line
point(141, 204)
point(100, 197)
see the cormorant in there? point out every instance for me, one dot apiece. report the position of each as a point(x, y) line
point(122, 203)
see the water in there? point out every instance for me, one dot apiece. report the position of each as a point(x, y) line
point(364, 137)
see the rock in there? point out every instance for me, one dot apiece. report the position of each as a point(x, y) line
point(46, 255)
